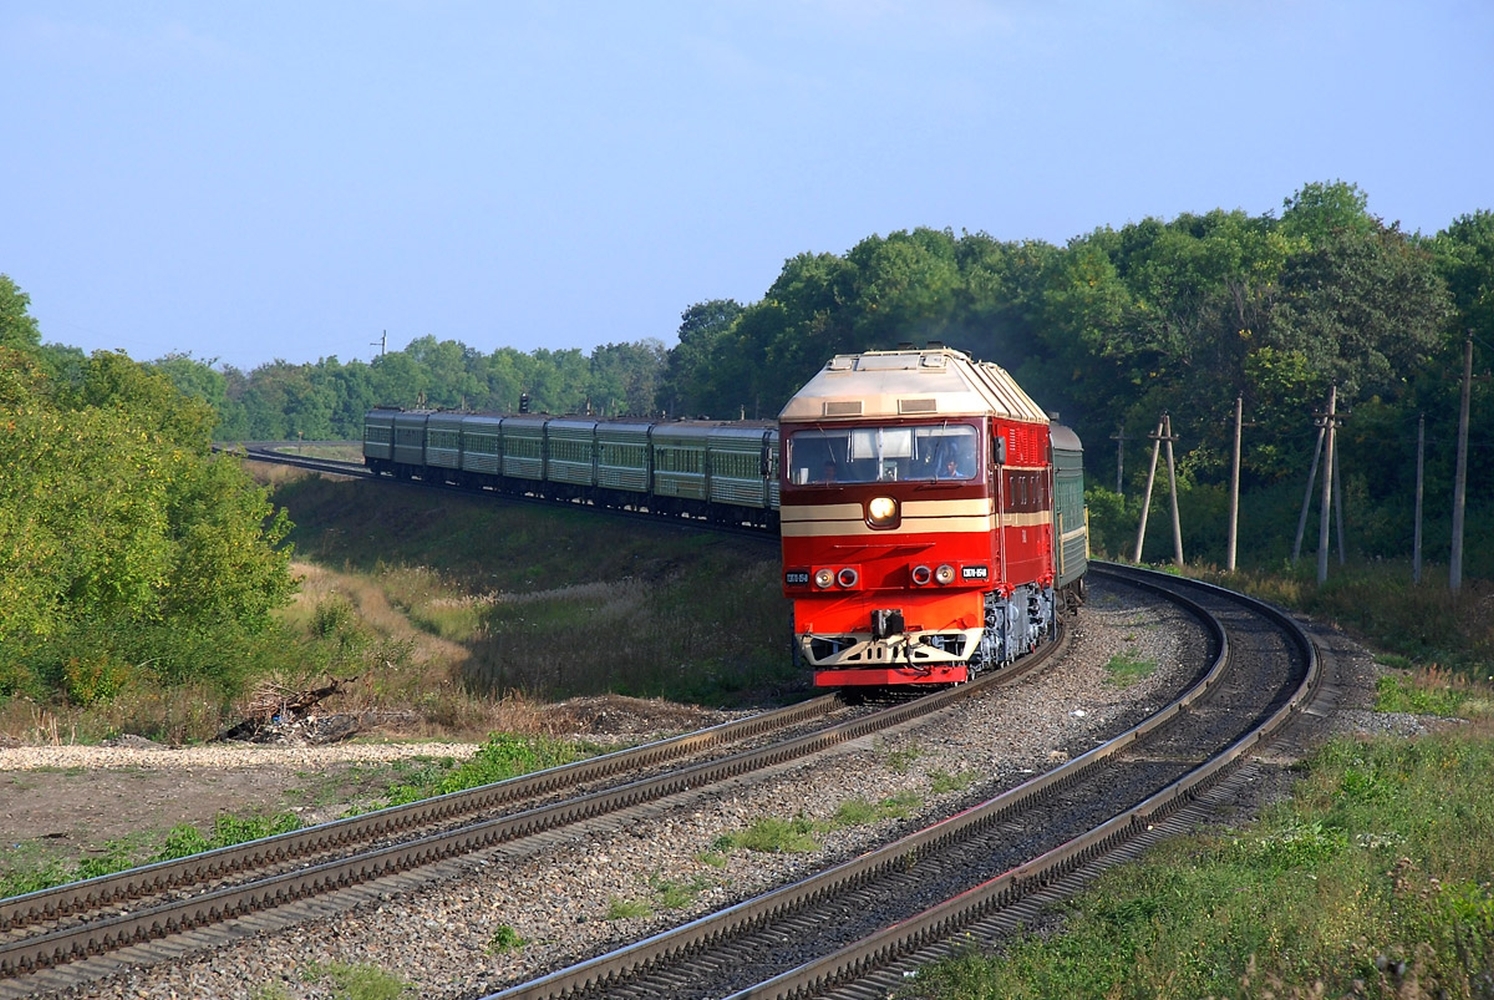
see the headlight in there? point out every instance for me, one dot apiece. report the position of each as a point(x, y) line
point(881, 511)
point(824, 578)
point(944, 574)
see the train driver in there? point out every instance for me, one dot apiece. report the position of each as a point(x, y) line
point(959, 459)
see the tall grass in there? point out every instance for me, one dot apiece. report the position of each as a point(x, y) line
point(1379, 603)
point(1374, 881)
point(549, 602)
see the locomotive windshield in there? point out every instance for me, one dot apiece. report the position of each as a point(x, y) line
point(917, 453)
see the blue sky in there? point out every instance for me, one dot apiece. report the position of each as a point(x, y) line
point(248, 182)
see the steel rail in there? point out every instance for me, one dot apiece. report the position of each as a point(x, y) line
point(341, 834)
point(157, 920)
point(942, 920)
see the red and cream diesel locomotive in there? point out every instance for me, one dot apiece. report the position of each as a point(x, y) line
point(932, 518)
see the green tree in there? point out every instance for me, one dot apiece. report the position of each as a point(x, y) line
point(18, 329)
point(703, 328)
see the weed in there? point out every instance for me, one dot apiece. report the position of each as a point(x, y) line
point(671, 895)
point(940, 782)
point(899, 759)
point(359, 982)
point(859, 812)
point(504, 940)
point(626, 909)
point(1125, 669)
point(1427, 693)
point(771, 835)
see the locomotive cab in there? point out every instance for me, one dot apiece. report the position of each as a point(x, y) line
point(915, 519)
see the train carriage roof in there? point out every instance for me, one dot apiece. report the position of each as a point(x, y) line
point(937, 381)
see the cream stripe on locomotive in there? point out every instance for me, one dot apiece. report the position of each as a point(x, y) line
point(919, 517)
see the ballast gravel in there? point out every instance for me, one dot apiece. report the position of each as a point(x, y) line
point(494, 920)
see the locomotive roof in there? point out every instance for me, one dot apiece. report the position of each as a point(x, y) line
point(937, 381)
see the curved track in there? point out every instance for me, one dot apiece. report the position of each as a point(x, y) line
point(55, 927)
point(855, 927)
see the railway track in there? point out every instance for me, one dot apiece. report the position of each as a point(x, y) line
point(856, 929)
point(47, 938)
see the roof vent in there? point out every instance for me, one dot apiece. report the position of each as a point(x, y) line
point(843, 408)
point(918, 405)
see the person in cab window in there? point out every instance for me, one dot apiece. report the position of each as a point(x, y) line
point(959, 462)
point(828, 473)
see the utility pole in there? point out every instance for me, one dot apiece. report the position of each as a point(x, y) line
point(1119, 437)
point(1162, 434)
point(1234, 488)
point(1312, 477)
point(1146, 502)
point(1324, 514)
point(382, 343)
point(1460, 479)
point(1172, 483)
point(1421, 467)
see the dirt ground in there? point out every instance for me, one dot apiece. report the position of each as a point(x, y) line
point(67, 803)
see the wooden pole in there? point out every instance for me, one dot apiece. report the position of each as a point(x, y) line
point(1172, 482)
point(1312, 477)
point(1146, 503)
point(1234, 488)
point(1323, 516)
point(1421, 466)
point(1460, 479)
point(1338, 497)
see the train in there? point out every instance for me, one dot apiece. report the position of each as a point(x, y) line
point(932, 519)
point(722, 471)
point(931, 515)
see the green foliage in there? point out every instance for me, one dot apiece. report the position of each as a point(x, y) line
point(1381, 858)
point(359, 982)
point(771, 835)
point(1125, 669)
point(186, 840)
point(859, 812)
point(502, 756)
point(505, 940)
point(1400, 694)
point(627, 909)
point(18, 330)
point(672, 895)
point(941, 781)
point(123, 531)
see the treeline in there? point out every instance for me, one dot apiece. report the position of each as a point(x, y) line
point(1111, 329)
point(131, 556)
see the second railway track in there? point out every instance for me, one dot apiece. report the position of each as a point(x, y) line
point(842, 927)
point(51, 929)
point(1143, 758)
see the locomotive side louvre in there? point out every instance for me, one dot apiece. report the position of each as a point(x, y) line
point(917, 518)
